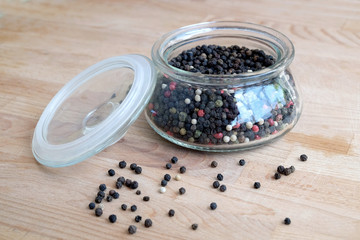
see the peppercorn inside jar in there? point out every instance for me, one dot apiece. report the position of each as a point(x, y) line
point(223, 86)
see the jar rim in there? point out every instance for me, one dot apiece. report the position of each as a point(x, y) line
point(276, 37)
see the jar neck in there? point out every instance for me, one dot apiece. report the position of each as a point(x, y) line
point(223, 32)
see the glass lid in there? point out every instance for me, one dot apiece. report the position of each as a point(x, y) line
point(93, 110)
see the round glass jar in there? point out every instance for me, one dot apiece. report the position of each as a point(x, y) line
point(223, 112)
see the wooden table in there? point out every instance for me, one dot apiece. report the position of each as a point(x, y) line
point(43, 44)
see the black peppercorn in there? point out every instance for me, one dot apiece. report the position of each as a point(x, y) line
point(132, 229)
point(146, 198)
point(287, 171)
point(123, 207)
point(216, 184)
point(138, 192)
point(102, 187)
point(98, 199)
point(122, 164)
point(118, 185)
point(182, 169)
point(242, 162)
point(138, 218)
point(277, 176)
point(109, 198)
point(148, 223)
point(163, 183)
point(287, 221)
point(303, 157)
point(133, 208)
point(280, 169)
point(222, 188)
point(292, 168)
point(167, 177)
point(214, 164)
point(128, 182)
point(121, 179)
point(101, 194)
point(134, 185)
point(194, 226)
point(98, 212)
point(133, 166)
point(213, 206)
point(112, 218)
point(168, 166)
point(138, 170)
point(220, 177)
point(111, 172)
point(116, 195)
point(174, 160)
point(257, 185)
point(91, 205)
point(171, 212)
point(182, 191)
point(111, 192)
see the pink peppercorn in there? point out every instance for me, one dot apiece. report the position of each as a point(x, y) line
point(170, 133)
point(167, 94)
point(255, 129)
point(279, 117)
point(151, 106)
point(236, 126)
point(271, 122)
point(257, 137)
point(218, 135)
point(172, 87)
point(289, 104)
point(201, 113)
point(274, 132)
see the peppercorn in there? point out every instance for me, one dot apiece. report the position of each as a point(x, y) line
point(257, 185)
point(242, 162)
point(148, 223)
point(194, 226)
point(111, 192)
point(171, 212)
point(174, 160)
point(123, 207)
point(128, 182)
point(162, 190)
point(102, 187)
point(146, 198)
point(168, 166)
point(214, 164)
point(118, 185)
point(303, 157)
point(182, 169)
point(138, 170)
point(177, 177)
point(220, 177)
point(163, 182)
point(138, 192)
point(213, 206)
point(121, 179)
point(133, 208)
point(98, 212)
point(112, 218)
point(222, 188)
point(132, 229)
point(101, 194)
point(292, 168)
point(111, 172)
point(216, 184)
point(133, 166)
point(134, 185)
point(277, 176)
point(280, 169)
point(109, 198)
point(167, 177)
point(182, 191)
point(98, 199)
point(287, 221)
point(101, 206)
point(122, 164)
point(116, 195)
point(91, 205)
point(138, 218)
point(287, 171)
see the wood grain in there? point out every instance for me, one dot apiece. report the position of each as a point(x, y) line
point(43, 44)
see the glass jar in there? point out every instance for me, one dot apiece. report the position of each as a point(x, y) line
point(223, 112)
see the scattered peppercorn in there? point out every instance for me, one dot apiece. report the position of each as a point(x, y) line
point(134, 185)
point(112, 218)
point(116, 195)
point(222, 188)
point(167, 177)
point(111, 172)
point(182, 191)
point(138, 218)
point(171, 212)
point(98, 212)
point(163, 182)
point(287, 221)
point(162, 190)
point(132, 229)
point(242, 162)
point(257, 185)
point(102, 187)
point(168, 166)
point(280, 169)
point(148, 223)
point(303, 157)
point(146, 198)
point(138, 170)
point(292, 168)
point(121, 179)
point(194, 226)
point(174, 160)
point(101, 194)
point(128, 182)
point(133, 166)
point(109, 198)
point(277, 176)
point(133, 208)
point(138, 192)
point(123, 207)
point(101, 206)
point(214, 164)
point(122, 164)
point(182, 169)
point(216, 184)
point(118, 185)
point(287, 171)
point(220, 177)
point(91, 205)
point(98, 199)
point(177, 177)
point(111, 192)
point(213, 206)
